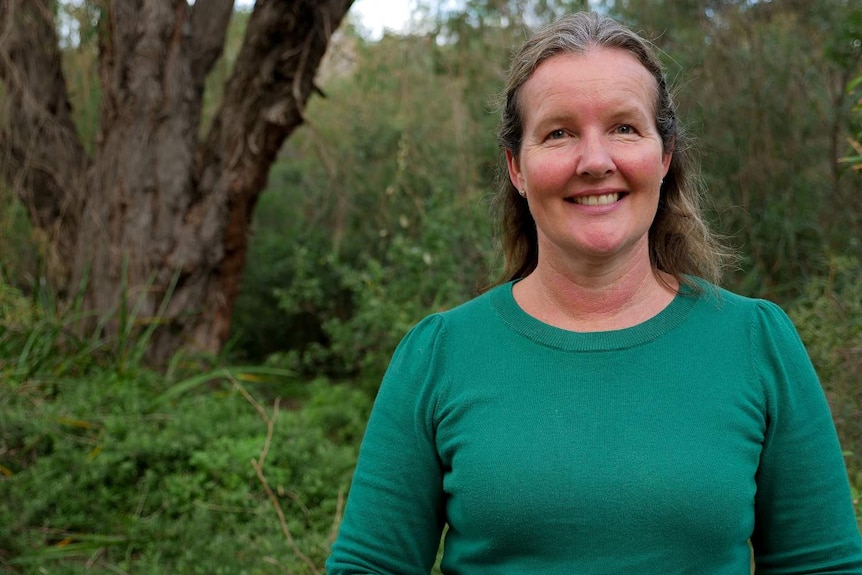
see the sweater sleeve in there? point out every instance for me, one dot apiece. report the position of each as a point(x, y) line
point(804, 519)
point(394, 515)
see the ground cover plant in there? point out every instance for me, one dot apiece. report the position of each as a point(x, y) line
point(130, 470)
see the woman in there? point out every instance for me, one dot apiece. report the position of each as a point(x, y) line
point(606, 409)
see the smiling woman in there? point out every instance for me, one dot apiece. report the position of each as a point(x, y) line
point(606, 408)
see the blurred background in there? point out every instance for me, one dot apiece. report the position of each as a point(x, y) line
point(375, 212)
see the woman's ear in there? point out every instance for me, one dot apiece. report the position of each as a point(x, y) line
point(667, 157)
point(515, 173)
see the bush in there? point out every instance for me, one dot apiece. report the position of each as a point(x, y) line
point(829, 319)
point(102, 472)
point(376, 214)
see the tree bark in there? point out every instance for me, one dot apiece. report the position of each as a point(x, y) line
point(158, 218)
point(41, 156)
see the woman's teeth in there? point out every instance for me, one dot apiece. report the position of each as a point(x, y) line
point(602, 200)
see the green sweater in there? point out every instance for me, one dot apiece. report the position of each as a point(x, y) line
point(659, 449)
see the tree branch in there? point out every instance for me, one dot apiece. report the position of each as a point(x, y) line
point(273, 78)
point(263, 103)
point(209, 23)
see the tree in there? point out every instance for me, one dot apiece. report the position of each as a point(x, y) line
point(157, 215)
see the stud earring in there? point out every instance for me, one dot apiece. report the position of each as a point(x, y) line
point(523, 193)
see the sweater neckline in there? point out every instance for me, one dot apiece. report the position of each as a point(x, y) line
point(545, 334)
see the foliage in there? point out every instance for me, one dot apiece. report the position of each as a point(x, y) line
point(23, 251)
point(829, 318)
point(374, 215)
point(36, 339)
point(854, 160)
point(108, 469)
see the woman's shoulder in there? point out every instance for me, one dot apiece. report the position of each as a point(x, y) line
point(474, 311)
point(457, 321)
point(763, 318)
point(722, 298)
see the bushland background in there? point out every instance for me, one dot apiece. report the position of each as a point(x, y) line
point(376, 213)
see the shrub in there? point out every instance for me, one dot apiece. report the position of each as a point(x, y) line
point(101, 473)
point(829, 318)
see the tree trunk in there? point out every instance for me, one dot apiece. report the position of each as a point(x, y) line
point(158, 218)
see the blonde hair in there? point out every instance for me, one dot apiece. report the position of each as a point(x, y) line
point(680, 243)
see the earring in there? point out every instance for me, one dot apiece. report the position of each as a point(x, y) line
point(523, 193)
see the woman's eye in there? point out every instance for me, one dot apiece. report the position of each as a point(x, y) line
point(557, 134)
point(625, 129)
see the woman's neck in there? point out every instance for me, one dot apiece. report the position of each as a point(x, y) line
point(595, 297)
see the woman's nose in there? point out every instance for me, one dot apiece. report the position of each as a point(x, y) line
point(594, 157)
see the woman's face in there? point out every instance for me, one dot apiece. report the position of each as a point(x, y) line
point(591, 161)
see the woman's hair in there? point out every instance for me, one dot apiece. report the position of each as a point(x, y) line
point(680, 243)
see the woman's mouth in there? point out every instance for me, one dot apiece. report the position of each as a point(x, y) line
point(597, 200)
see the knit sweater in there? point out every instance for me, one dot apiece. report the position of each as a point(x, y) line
point(664, 448)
